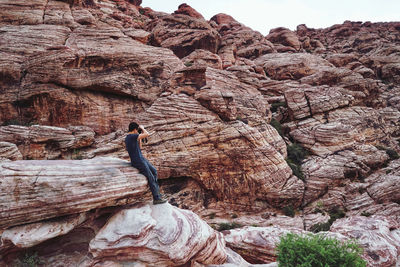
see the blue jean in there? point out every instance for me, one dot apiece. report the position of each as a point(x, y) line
point(150, 172)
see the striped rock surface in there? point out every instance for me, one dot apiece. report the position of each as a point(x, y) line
point(157, 235)
point(35, 190)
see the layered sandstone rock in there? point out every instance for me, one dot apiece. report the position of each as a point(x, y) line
point(67, 187)
point(377, 235)
point(285, 37)
point(214, 153)
point(256, 244)
point(159, 235)
point(29, 235)
point(183, 34)
point(237, 40)
point(9, 151)
point(46, 142)
point(185, 9)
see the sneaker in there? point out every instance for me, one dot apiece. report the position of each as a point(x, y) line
point(159, 201)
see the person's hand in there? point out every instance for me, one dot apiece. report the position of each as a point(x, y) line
point(141, 127)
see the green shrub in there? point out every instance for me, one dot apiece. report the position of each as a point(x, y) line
point(334, 214)
point(189, 63)
point(296, 153)
point(317, 250)
point(366, 214)
point(392, 154)
point(318, 227)
point(228, 226)
point(276, 105)
point(289, 211)
point(277, 125)
point(18, 122)
point(211, 215)
point(234, 216)
point(296, 169)
point(28, 260)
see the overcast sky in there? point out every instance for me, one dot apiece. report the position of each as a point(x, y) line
point(263, 15)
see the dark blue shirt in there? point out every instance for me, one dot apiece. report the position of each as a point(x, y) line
point(132, 145)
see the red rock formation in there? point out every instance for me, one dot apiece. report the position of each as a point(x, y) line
point(67, 187)
point(85, 69)
point(183, 34)
point(239, 41)
point(285, 37)
point(185, 9)
point(157, 235)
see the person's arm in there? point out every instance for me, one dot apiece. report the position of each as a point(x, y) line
point(144, 133)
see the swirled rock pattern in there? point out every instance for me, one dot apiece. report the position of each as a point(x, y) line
point(159, 235)
point(256, 244)
point(73, 74)
point(378, 235)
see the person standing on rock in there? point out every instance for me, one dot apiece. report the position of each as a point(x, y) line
point(133, 144)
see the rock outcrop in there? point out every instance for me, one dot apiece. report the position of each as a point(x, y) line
point(258, 128)
point(159, 235)
point(66, 187)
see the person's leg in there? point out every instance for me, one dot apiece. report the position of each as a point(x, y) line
point(152, 169)
point(152, 180)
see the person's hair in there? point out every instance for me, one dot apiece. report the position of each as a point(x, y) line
point(133, 126)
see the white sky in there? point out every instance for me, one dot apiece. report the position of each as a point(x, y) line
point(263, 15)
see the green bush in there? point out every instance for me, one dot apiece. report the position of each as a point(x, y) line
point(228, 226)
point(277, 125)
point(276, 105)
point(334, 214)
point(366, 214)
point(28, 260)
point(392, 154)
point(296, 169)
point(296, 153)
point(211, 215)
point(289, 211)
point(189, 63)
point(318, 227)
point(317, 250)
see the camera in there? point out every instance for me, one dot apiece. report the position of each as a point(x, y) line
point(141, 131)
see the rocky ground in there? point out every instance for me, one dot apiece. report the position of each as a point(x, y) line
point(294, 131)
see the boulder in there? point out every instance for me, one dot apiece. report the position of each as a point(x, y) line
point(157, 235)
point(284, 66)
point(201, 57)
point(29, 235)
point(185, 9)
point(184, 34)
point(47, 142)
point(256, 244)
point(44, 189)
point(378, 235)
point(285, 37)
point(237, 40)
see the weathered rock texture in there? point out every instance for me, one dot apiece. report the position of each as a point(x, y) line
point(223, 103)
point(66, 187)
point(159, 235)
point(144, 234)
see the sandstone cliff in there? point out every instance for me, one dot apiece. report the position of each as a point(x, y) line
point(245, 128)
